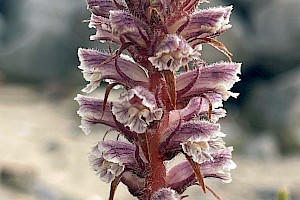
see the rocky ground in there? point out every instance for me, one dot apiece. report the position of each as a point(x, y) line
point(43, 156)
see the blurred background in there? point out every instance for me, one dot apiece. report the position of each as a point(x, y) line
point(43, 153)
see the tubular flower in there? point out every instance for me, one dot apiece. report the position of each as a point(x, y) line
point(106, 169)
point(182, 175)
point(122, 70)
point(161, 112)
point(209, 22)
point(110, 159)
point(91, 112)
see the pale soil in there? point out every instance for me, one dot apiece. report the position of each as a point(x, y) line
point(42, 146)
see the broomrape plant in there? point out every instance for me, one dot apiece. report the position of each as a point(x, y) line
point(171, 99)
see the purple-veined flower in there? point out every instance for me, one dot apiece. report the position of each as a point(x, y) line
point(182, 175)
point(171, 100)
point(174, 52)
point(136, 108)
point(109, 159)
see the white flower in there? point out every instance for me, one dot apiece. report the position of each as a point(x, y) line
point(109, 159)
point(136, 108)
point(174, 52)
point(201, 151)
point(106, 169)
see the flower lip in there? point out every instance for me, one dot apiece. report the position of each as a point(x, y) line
point(136, 108)
point(174, 52)
point(103, 28)
point(202, 150)
point(91, 113)
point(136, 185)
point(106, 169)
point(110, 158)
point(199, 151)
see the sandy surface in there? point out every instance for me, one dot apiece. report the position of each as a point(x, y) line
point(45, 152)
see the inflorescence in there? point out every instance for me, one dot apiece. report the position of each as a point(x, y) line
point(171, 99)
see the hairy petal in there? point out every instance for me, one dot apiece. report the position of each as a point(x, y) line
point(215, 100)
point(193, 130)
point(202, 150)
point(102, 7)
point(122, 22)
point(207, 23)
point(91, 112)
point(182, 175)
point(117, 152)
point(216, 78)
point(106, 170)
point(220, 166)
point(103, 28)
point(198, 150)
point(195, 107)
point(125, 24)
point(211, 99)
point(198, 108)
point(122, 70)
point(197, 129)
point(110, 158)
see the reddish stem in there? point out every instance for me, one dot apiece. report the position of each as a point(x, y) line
point(157, 167)
point(157, 178)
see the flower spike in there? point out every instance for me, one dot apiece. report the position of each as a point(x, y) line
point(170, 102)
